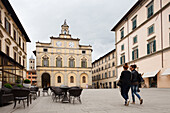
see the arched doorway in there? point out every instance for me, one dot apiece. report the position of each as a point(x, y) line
point(45, 78)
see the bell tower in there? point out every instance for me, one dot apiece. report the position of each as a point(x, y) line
point(65, 31)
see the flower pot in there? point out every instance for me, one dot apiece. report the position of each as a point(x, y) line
point(26, 85)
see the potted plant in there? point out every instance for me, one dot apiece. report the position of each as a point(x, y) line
point(19, 85)
point(7, 85)
point(27, 83)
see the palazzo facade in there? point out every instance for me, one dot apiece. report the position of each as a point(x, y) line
point(63, 61)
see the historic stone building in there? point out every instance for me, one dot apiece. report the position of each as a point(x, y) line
point(63, 61)
point(142, 37)
point(13, 47)
point(104, 71)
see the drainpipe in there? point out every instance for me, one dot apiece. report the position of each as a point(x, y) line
point(161, 33)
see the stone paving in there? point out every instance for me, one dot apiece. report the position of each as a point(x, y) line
point(99, 101)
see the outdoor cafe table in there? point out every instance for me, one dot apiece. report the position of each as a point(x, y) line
point(65, 99)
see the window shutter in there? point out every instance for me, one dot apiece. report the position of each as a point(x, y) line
point(73, 63)
point(47, 62)
point(151, 13)
point(148, 49)
point(133, 55)
point(9, 28)
point(137, 53)
point(120, 60)
point(154, 45)
point(42, 62)
point(124, 59)
point(85, 64)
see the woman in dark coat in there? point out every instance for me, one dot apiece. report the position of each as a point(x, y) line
point(125, 80)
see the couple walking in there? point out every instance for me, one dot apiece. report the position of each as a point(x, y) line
point(130, 80)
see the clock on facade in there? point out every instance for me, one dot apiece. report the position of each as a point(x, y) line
point(71, 44)
point(59, 44)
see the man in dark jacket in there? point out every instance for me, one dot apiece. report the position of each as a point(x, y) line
point(135, 84)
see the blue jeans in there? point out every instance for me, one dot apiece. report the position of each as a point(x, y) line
point(134, 92)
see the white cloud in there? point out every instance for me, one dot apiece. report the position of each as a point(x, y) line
point(89, 20)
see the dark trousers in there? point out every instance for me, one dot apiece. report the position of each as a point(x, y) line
point(125, 91)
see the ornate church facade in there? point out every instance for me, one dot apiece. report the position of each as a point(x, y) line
point(63, 61)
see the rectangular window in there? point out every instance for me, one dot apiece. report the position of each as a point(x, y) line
point(7, 26)
point(109, 65)
point(122, 33)
point(134, 23)
point(169, 17)
point(15, 56)
point(24, 63)
point(109, 74)
point(150, 9)
point(113, 55)
point(7, 50)
point(113, 64)
point(122, 47)
point(151, 47)
point(23, 45)
point(20, 59)
point(135, 54)
point(122, 59)
point(135, 40)
point(113, 73)
point(14, 35)
point(151, 30)
point(19, 41)
point(106, 75)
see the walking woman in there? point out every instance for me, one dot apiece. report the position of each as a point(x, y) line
point(125, 81)
point(135, 84)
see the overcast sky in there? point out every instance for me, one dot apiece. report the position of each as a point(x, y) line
point(89, 20)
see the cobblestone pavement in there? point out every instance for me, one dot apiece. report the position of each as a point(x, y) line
point(99, 101)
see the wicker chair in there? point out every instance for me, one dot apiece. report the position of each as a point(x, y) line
point(21, 94)
point(34, 91)
point(57, 93)
point(75, 93)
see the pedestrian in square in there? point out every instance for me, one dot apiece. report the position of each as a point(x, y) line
point(135, 84)
point(125, 82)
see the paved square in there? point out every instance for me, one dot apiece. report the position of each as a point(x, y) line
point(99, 101)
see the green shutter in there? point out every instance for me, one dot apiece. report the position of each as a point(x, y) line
point(133, 55)
point(151, 13)
point(124, 59)
point(148, 49)
point(137, 53)
point(154, 45)
point(120, 60)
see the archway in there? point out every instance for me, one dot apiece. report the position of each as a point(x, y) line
point(45, 78)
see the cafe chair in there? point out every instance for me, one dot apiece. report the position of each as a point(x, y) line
point(75, 93)
point(20, 95)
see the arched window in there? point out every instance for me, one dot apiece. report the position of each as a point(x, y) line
point(71, 62)
point(45, 61)
point(83, 63)
point(58, 62)
point(59, 79)
point(84, 79)
point(71, 79)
